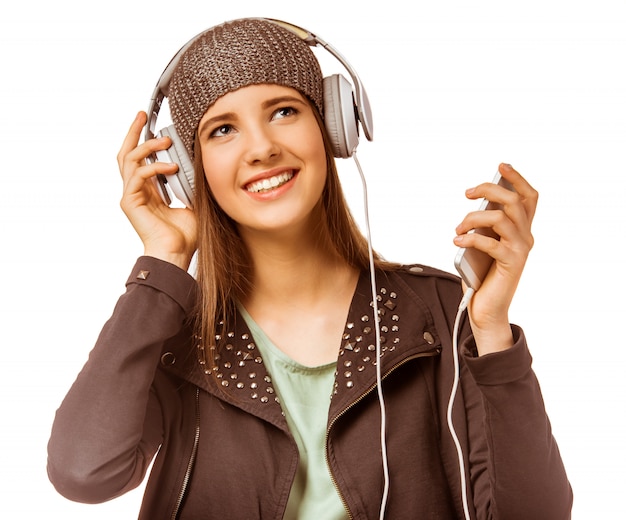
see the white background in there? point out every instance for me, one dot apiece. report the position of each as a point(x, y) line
point(456, 88)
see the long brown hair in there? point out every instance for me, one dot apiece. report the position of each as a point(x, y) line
point(224, 265)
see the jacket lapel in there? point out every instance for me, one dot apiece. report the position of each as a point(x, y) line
point(406, 331)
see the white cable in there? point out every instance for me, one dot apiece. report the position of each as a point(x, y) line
point(455, 355)
point(381, 400)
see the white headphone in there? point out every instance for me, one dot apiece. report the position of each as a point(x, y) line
point(344, 108)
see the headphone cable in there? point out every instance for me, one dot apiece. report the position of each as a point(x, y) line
point(381, 399)
point(469, 292)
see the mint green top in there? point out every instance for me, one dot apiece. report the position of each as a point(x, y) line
point(304, 394)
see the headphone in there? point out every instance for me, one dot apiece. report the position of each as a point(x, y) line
point(345, 106)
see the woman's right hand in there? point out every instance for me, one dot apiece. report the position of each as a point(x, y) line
point(169, 234)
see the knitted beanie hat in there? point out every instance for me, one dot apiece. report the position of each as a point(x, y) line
point(234, 55)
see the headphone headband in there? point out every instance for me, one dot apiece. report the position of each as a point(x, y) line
point(363, 109)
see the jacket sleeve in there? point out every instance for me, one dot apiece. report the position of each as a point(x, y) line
point(109, 426)
point(516, 471)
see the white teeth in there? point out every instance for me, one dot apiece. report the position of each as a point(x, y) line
point(268, 184)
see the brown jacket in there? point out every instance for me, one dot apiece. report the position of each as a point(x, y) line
point(224, 450)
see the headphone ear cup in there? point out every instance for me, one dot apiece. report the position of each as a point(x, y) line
point(340, 115)
point(182, 183)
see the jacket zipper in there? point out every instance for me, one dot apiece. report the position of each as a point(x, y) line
point(192, 460)
point(430, 353)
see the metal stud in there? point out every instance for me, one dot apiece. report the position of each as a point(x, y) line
point(390, 305)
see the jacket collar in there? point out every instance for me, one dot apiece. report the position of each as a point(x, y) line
point(407, 330)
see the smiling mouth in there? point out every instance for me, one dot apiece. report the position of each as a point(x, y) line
point(270, 183)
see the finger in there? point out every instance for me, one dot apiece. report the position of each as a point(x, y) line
point(132, 137)
point(491, 223)
point(509, 205)
point(136, 158)
point(141, 174)
point(528, 195)
point(496, 226)
point(133, 153)
point(519, 207)
point(498, 194)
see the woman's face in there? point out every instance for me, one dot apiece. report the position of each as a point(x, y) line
point(264, 158)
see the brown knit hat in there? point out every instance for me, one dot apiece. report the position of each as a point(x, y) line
point(233, 55)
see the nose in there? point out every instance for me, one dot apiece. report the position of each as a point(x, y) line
point(261, 145)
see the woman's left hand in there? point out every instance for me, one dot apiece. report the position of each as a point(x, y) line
point(488, 308)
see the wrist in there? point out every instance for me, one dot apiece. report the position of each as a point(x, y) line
point(495, 338)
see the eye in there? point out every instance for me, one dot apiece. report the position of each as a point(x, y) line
point(284, 112)
point(222, 131)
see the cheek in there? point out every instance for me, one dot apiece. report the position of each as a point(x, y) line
point(314, 150)
point(215, 172)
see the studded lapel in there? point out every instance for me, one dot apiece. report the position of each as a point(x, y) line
point(406, 328)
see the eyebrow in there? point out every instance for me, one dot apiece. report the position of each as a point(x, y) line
point(229, 116)
point(282, 99)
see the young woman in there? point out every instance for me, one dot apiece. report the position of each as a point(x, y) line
point(256, 382)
